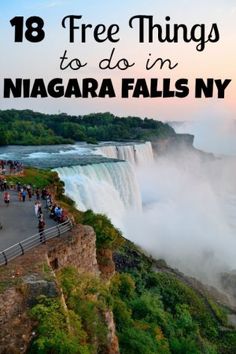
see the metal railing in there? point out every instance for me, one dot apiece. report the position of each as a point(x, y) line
point(20, 248)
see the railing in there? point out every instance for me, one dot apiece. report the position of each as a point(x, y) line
point(20, 248)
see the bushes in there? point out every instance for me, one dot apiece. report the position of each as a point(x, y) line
point(163, 311)
point(89, 299)
point(81, 329)
point(53, 331)
point(143, 321)
point(135, 340)
point(107, 236)
point(123, 285)
point(227, 343)
point(174, 292)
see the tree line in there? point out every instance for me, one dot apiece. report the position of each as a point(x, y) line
point(26, 127)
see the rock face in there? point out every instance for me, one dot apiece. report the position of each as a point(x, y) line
point(78, 250)
point(166, 145)
point(36, 286)
point(113, 345)
point(15, 325)
point(33, 276)
point(105, 263)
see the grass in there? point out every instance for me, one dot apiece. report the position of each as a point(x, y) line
point(35, 177)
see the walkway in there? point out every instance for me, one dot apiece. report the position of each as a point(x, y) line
point(19, 220)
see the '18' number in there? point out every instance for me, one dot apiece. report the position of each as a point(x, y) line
point(34, 32)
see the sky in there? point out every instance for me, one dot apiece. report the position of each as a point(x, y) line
point(42, 60)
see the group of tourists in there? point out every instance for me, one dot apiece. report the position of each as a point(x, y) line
point(55, 211)
point(26, 193)
point(10, 167)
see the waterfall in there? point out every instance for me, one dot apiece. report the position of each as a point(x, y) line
point(136, 154)
point(109, 188)
point(143, 153)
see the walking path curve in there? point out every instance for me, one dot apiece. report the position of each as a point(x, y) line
point(18, 220)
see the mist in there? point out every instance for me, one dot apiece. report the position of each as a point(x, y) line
point(212, 133)
point(188, 217)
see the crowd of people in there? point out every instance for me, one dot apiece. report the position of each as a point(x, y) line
point(10, 167)
point(41, 196)
point(55, 211)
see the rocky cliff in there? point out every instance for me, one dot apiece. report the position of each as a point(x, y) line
point(34, 275)
point(170, 144)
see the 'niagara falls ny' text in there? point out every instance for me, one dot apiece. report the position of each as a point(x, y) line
point(130, 88)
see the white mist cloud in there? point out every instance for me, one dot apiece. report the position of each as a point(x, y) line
point(188, 214)
point(213, 133)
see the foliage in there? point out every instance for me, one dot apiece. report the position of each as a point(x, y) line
point(228, 343)
point(163, 314)
point(88, 298)
point(53, 331)
point(31, 128)
point(123, 285)
point(107, 236)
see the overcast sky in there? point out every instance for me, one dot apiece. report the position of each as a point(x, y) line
point(29, 60)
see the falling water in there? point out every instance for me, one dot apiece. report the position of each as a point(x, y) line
point(108, 188)
point(136, 154)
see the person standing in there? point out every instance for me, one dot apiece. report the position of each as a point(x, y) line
point(36, 208)
point(23, 195)
point(20, 196)
point(7, 198)
point(5, 184)
point(37, 194)
point(29, 194)
point(41, 227)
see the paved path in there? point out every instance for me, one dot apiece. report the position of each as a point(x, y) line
point(19, 220)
